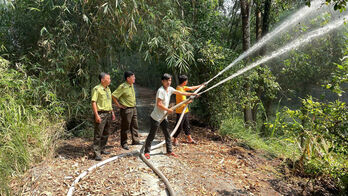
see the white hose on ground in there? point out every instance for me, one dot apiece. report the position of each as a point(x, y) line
point(89, 170)
point(156, 170)
point(143, 158)
point(174, 130)
point(296, 43)
point(181, 116)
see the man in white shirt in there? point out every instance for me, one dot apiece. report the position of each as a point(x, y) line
point(161, 108)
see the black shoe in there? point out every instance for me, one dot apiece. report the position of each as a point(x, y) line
point(136, 143)
point(97, 158)
point(105, 152)
point(125, 147)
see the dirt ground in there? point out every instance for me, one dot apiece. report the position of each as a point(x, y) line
point(214, 166)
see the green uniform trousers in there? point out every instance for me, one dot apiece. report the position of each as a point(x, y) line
point(129, 121)
point(102, 132)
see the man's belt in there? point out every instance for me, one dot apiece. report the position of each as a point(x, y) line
point(129, 107)
point(100, 112)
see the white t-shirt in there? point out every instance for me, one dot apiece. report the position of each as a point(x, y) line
point(157, 113)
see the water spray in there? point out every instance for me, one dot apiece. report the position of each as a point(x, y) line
point(292, 45)
point(292, 20)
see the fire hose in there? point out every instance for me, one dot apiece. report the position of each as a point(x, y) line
point(294, 44)
point(156, 170)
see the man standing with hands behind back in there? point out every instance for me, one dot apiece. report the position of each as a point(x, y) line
point(124, 98)
point(103, 114)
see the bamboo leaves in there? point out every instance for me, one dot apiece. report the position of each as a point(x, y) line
point(171, 42)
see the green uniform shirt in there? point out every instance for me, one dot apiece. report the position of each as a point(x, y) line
point(125, 95)
point(102, 97)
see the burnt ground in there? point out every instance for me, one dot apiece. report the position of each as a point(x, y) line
point(214, 166)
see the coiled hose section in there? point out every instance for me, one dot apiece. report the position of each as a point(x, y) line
point(133, 153)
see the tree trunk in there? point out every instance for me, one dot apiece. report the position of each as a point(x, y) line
point(266, 14)
point(245, 11)
point(258, 17)
point(181, 9)
point(259, 92)
point(193, 3)
point(265, 22)
point(234, 24)
point(258, 31)
point(176, 77)
point(247, 115)
point(266, 101)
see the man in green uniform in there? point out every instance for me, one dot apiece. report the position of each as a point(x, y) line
point(103, 114)
point(124, 98)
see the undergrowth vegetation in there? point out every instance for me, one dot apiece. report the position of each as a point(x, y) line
point(30, 118)
point(313, 136)
point(276, 146)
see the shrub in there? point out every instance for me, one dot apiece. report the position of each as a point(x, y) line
point(319, 130)
point(30, 122)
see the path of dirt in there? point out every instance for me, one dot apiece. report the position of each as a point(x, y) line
point(215, 166)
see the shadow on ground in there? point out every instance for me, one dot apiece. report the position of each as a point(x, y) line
point(235, 192)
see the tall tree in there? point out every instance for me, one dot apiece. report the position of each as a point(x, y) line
point(258, 19)
point(262, 28)
point(265, 16)
point(234, 26)
point(265, 28)
point(245, 11)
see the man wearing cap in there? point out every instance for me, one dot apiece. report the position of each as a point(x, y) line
point(124, 98)
point(103, 114)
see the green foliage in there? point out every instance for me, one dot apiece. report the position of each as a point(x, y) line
point(320, 130)
point(26, 133)
point(308, 67)
point(276, 146)
point(212, 54)
point(339, 77)
point(217, 104)
point(338, 4)
point(262, 86)
point(171, 41)
point(67, 43)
